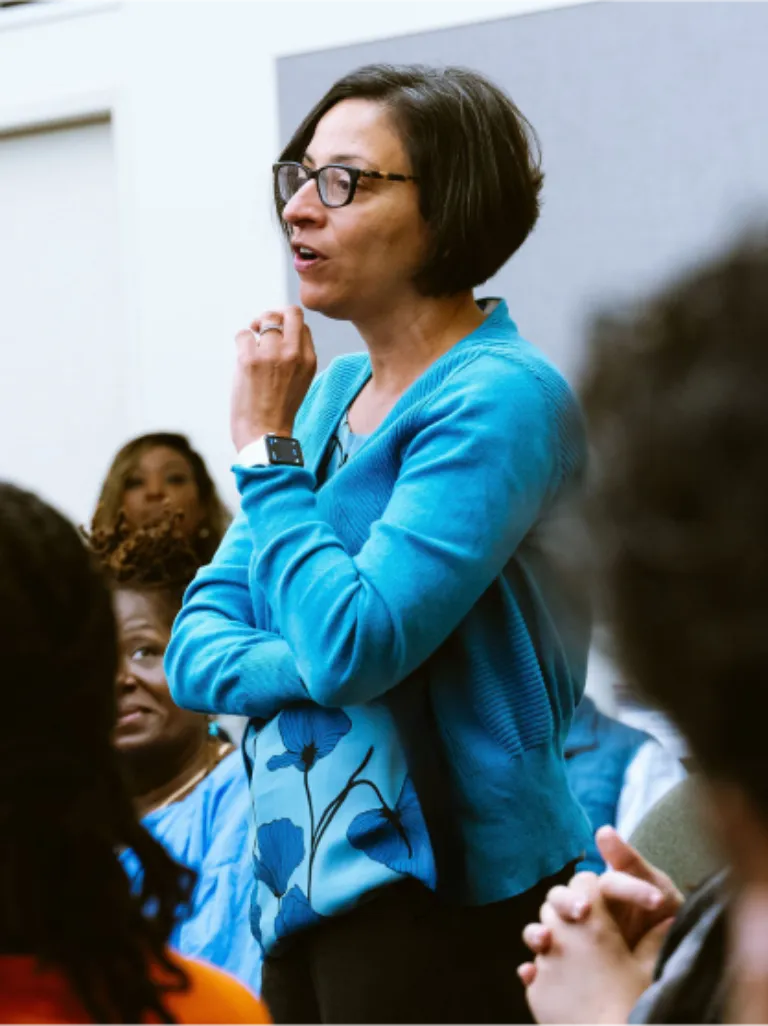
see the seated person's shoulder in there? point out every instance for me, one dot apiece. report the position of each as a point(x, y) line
point(213, 996)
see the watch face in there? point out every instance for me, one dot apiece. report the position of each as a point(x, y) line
point(284, 450)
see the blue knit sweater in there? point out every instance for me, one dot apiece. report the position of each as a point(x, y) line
point(598, 753)
point(412, 589)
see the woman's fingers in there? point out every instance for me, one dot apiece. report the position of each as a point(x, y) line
point(293, 329)
point(268, 317)
point(275, 365)
point(574, 902)
point(293, 342)
point(652, 889)
point(621, 856)
point(629, 890)
point(538, 938)
point(527, 973)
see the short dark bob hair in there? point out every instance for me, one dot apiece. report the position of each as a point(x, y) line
point(476, 156)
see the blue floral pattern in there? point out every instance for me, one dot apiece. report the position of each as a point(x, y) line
point(295, 914)
point(309, 734)
point(255, 921)
point(334, 813)
point(281, 852)
point(397, 838)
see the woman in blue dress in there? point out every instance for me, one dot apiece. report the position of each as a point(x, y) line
point(384, 608)
point(188, 782)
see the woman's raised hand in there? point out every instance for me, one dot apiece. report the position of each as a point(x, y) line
point(276, 363)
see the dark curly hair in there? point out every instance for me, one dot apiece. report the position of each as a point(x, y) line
point(676, 401)
point(64, 810)
point(159, 557)
point(216, 515)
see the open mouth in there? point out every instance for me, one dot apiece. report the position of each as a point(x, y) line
point(304, 257)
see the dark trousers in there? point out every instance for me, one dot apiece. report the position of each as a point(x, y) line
point(408, 957)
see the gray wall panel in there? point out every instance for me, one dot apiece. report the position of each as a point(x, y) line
point(653, 120)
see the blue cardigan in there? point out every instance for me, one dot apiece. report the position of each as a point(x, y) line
point(418, 578)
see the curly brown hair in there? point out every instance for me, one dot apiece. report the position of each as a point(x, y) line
point(675, 399)
point(65, 811)
point(216, 516)
point(158, 557)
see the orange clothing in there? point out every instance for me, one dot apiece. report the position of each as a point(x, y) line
point(29, 994)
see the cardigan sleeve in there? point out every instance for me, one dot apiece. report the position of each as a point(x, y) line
point(474, 479)
point(219, 660)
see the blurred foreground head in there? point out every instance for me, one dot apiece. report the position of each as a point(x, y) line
point(676, 396)
point(64, 810)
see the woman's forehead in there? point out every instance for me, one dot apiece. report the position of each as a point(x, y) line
point(135, 608)
point(356, 132)
point(158, 457)
point(138, 609)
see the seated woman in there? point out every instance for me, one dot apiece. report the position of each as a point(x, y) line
point(159, 473)
point(188, 783)
point(616, 771)
point(77, 943)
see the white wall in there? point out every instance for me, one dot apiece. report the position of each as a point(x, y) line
point(191, 89)
point(63, 401)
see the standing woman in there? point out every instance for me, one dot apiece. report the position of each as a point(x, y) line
point(383, 607)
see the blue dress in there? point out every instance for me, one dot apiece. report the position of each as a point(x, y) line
point(209, 832)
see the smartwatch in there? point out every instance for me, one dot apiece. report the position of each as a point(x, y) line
point(271, 450)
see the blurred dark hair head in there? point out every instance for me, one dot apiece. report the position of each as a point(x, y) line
point(476, 157)
point(675, 398)
point(216, 516)
point(64, 812)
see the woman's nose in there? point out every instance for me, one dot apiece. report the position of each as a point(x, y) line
point(125, 679)
point(155, 487)
point(305, 206)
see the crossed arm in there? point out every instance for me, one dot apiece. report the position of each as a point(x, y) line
point(285, 613)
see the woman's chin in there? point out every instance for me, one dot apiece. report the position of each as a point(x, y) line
point(322, 301)
point(311, 297)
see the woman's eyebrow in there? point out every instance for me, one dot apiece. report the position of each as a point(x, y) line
point(341, 158)
point(137, 624)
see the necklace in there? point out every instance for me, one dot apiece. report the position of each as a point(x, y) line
point(215, 756)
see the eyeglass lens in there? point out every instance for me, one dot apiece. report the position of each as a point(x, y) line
point(335, 186)
point(334, 183)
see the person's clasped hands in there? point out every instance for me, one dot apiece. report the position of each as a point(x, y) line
point(598, 939)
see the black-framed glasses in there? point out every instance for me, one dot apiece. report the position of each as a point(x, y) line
point(336, 183)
